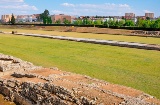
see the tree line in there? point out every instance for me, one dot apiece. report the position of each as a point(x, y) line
point(144, 23)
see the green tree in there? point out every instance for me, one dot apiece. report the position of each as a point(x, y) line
point(148, 18)
point(146, 23)
point(58, 21)
point(12, 19)
point(98, 22)
point(78, 22)
point(121, 23)
point(65, 21)
point(129, 23)
point(152, 23)
point(45, 16)
point(9, 21)
point(49, 20)
point(45, 20)
point(105, 23)
point(139, 22)
point(156, 24)
point(87, 22)
point(112, 22)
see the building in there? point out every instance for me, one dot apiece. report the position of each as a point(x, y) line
point(61, 18)
point(26, 18)
point(129, 15)
point(7, 18)
point(150, 15)
point(141, 17)
point(19, 18)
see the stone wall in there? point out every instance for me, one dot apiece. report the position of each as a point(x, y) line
point(147, 33)
point(10, 63)
point(29, 93)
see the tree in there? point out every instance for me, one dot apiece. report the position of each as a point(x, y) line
point(148, 18)
point(49, 20)
point(87, 21)
point(98, 22)
point(146, 23)
point(156, 24)
point(111, 22)
point(45, 20)
point(66, 21)
point(9, 21)
point(58, 21)
point(12, 19)
point(105, 23)
point(129, 23)
point(44, 14)
point(139, 22)
point(121, 23)
point(78, 22)
point(45, 17)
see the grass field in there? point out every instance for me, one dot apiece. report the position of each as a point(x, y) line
point(148, 40)
point(135, 68)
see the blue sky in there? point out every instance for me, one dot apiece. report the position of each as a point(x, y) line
point(80, 7)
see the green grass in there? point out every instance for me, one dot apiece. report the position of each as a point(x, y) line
point(148, 40)
point(135, 68)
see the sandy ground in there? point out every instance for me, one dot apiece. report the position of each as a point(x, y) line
point(74, 29)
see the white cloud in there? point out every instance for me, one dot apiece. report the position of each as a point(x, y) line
point(96, 9)
point(68, 5)
point(11, 1)
point(57, 12)
point(124, 5)
point(147, 11)
point(17, 7)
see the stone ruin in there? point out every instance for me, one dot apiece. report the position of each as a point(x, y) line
point(48, 93)
point(9, 63)
point(30, 93)
point(147, 33)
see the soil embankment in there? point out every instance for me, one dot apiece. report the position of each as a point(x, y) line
point(26, 84)
point(95, 30)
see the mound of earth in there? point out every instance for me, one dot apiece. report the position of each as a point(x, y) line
point(48, 86)
point(95, 30)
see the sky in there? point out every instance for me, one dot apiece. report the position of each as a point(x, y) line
point(80, 7)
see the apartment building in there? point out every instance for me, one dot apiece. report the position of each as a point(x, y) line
point(129, 15)
point(60, 17)
point(6, 18)
point(150, 15)
point(26, 18)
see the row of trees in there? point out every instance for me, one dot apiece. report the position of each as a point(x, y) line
point(65, 21)
point(147, 23)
